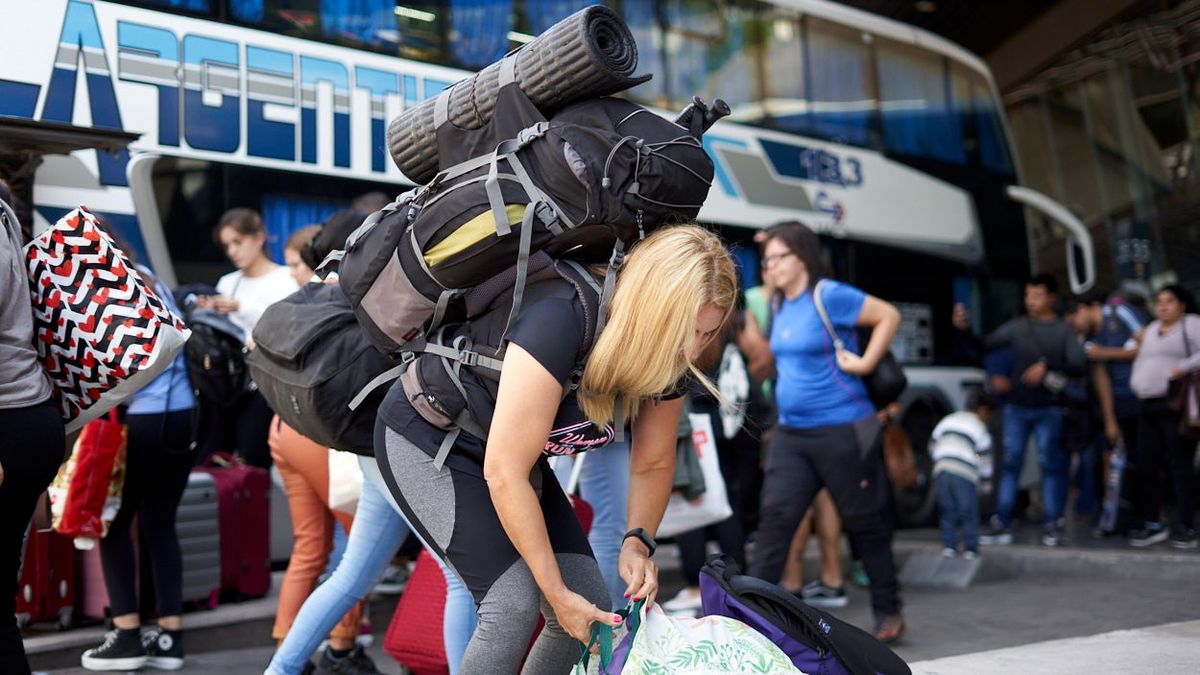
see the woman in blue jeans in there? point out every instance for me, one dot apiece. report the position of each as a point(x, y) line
point(378, 531)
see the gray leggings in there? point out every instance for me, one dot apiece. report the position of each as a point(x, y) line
point(453, 512)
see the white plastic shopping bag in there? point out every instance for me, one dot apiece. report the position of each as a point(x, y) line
point(650, 642)
point(713, 507)
point(345, 481)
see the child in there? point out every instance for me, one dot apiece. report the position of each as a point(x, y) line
point(960, 447)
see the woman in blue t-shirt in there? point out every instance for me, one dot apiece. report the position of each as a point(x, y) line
point(828, 435)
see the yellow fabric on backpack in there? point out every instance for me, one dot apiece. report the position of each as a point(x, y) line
point(470, 233)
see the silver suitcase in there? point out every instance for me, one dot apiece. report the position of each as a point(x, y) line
point(199, 531)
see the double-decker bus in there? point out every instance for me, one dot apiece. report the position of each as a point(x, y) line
point(888, 140)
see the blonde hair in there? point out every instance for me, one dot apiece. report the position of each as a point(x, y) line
point(645, 347)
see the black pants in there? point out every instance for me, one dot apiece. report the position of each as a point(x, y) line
point(847, 459)
point(738, 457)
point(32, 445)
point(158, 461)
point(1160, 446)
point(242, 427)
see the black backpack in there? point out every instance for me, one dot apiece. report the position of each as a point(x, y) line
point(216, 358)
point(317, 370)
point(584, 184)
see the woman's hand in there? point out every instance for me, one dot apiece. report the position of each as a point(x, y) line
point(852, 363)
point(638, 570)
point(575, 614)
point(223, 304)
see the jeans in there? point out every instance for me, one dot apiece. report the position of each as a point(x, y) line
point(1045, 424)
point(604, 484)
point(378, 531)
point(958, 506)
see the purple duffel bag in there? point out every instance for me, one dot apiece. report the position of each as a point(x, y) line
point(815, 641)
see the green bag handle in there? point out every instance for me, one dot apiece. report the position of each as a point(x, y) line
point(602, 634)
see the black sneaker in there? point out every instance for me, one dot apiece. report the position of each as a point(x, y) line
point(1148, 535)
point(164, 648)
point(817, 594)
point(121, 650)
point(996, 534)
point(1183, 537)
point(355, 663)
point(1052, 535)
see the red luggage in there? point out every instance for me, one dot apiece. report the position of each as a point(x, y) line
point(415, 637)
point(244, 510)
point(46, 591)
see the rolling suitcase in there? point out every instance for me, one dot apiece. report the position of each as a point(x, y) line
point(198, 524)
point(243, 497)
point(46, 590)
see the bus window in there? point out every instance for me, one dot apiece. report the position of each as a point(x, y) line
point(981, 120)
point(841, 97)
point(783, 98)
point(914, 101)
point(710, 54)
point(198, 6)
point(642, 18)
point(542, 14)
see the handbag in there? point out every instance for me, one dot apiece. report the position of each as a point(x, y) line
point(884, 384)
point(1183, 395)
point(898, 456)
point(85, 496)
point(101, 332)
point(689, 477)
point(649, 641)
point(683, 514)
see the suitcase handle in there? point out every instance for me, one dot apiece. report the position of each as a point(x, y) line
point(222, 460)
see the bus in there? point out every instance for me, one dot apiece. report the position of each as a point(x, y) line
point(888, 140)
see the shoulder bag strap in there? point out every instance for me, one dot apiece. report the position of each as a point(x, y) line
point(837, 341)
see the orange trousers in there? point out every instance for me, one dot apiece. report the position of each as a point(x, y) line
point(304, 466)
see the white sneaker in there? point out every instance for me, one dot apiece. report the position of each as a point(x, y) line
point(687, 600)
point(948, 552)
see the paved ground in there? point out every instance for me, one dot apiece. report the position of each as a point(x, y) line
point(1032, 608)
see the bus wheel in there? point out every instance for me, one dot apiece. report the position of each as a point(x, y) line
point(915, 506)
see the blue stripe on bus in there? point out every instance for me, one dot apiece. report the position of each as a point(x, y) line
point(268, 138)
point(18, 99)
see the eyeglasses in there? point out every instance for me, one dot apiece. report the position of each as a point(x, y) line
point(770, 260)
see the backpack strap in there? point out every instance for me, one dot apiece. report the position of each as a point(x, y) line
point(441, 108)
point(838, 344)
point(508, 70)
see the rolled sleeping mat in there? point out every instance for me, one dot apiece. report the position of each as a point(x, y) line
point(588, 54)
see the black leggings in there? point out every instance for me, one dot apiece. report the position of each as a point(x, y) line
point(32, 445)
point(1159, 446)
point(158, 461)
point(847, 459)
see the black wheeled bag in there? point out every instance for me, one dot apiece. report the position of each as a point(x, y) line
point(317, 369)
point(583, 184)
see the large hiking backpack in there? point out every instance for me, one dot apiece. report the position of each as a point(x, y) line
point(317, 370)
point(815, 641)
point(593, 178)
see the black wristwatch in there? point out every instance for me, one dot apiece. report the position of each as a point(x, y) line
point(643, 537)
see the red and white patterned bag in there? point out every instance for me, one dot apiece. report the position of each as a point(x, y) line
point(100, 330)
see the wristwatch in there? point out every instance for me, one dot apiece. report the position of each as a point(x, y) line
point(643, 537)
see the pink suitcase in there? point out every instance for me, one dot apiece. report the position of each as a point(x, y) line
point(243, 495)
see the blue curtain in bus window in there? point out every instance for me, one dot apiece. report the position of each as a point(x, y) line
point(479, 31)
point(840, 94)
point(191, 5)
point(250, 11)
point(642, 19)
point(914, 101)
point(284, 214)
point(545, 13)
point(993, 149)
point(371, 22)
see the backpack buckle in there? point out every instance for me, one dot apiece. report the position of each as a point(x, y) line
point(546, 214)
point(468, 358)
